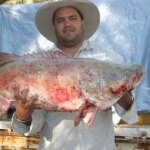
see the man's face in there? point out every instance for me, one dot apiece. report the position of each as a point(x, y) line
point(69, 27)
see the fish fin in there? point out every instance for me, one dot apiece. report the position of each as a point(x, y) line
point(6, 57)
point(90, 116)
point(86, 112)
point(4, 105)
point(46, 54)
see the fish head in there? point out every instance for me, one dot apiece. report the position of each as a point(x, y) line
point(131, 78)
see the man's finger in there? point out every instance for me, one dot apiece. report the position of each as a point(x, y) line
point(24, 94)
point(16, 90)
point(32, 100)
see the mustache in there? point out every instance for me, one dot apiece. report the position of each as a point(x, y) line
point(69, 29)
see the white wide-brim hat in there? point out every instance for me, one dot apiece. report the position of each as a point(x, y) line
point(44, 17)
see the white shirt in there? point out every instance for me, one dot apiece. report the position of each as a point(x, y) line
point(57, 130)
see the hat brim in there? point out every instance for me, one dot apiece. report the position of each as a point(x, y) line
point(44, 15)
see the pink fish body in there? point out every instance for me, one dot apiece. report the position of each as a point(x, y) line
point(67, 84)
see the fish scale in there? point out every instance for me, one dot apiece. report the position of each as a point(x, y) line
point(66, 83)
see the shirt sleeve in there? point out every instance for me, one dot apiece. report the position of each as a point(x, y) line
point(130, 116)
point(104, 54)
point(38, 119)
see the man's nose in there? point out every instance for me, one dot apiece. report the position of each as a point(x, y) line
point(67, 22)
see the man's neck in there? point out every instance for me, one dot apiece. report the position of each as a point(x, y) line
point(71, 50)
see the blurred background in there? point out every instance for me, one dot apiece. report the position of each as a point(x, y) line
point(124, 28)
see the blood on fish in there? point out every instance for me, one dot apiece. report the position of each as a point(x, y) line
point(61, 95)
point(118, 90)
point(6, 77)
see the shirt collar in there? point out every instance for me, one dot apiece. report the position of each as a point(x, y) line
point(83, 47)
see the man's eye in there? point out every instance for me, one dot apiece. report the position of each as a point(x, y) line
point(73, 18)
point(59, 20)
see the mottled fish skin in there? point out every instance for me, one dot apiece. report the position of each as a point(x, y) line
point(65, 83)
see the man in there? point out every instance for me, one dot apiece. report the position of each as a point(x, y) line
point(69, 24)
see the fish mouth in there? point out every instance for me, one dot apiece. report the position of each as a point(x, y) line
point(129, 83)
point(134, 80)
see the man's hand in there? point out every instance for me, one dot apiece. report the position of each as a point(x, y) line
point(126, 100)
point(24, 103)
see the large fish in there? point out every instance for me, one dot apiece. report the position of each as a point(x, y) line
point(67, 84)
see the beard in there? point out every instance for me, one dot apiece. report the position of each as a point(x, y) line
point(70, 39)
